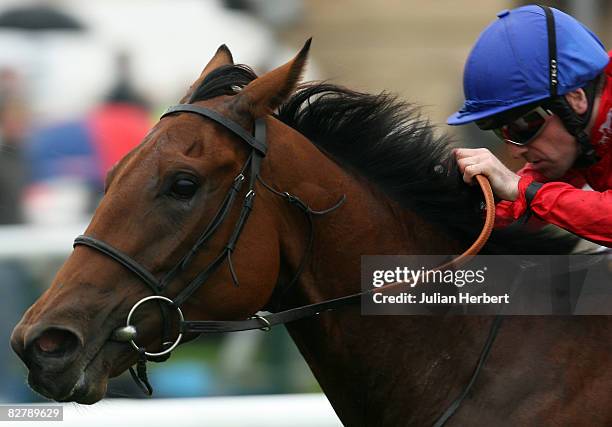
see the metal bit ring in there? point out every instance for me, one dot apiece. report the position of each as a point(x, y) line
point(266, 325)
point(178, 338)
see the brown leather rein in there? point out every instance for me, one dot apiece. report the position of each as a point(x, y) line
point(293, 314)
point(487, 228)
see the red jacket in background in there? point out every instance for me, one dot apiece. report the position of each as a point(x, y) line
point(116, 129)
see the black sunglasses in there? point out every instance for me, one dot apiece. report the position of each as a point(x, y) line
point(526, 128)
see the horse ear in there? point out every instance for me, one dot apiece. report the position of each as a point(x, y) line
point(266, 93)
point(223, 56)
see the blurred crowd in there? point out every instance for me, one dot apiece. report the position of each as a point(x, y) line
point(53, 172)
point(80, 85)
point(52, 167)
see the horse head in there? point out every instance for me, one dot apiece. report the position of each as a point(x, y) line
point(176, 209)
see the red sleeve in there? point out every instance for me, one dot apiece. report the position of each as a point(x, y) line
point(584, 213)
point(565, 204)
point(507, 212)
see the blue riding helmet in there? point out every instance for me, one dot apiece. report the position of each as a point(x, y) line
point(509, 65)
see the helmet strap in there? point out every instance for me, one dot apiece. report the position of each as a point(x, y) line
point(575, 124)
point(590, 90)
point(587, 156)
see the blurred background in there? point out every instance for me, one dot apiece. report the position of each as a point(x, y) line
point(81, 82)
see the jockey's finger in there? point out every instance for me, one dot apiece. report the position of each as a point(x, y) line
point(472, 160)
point(470, 172)
point(461, 153)
point(462, 163)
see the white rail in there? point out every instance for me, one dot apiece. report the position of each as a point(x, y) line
point(295, 410)
point(35, 241)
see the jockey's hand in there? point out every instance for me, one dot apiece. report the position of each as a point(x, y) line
point(475, 161)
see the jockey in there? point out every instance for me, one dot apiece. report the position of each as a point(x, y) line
point(540, 80)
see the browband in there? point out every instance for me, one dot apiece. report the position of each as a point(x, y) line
point(228, 124)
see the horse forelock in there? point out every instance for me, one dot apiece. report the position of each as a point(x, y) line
point(225, 80)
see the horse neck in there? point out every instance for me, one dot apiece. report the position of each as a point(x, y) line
point(342, 347)
point(367, 223)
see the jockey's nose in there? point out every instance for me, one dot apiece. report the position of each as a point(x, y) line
point(516, 151)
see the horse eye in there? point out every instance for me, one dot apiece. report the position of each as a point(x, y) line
point(184, 188)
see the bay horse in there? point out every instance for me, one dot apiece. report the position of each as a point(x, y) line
point(383, 182)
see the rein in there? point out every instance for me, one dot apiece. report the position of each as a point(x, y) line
point(258, 144)
point(293, 314)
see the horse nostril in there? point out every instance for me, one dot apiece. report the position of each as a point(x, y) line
point(55, 342)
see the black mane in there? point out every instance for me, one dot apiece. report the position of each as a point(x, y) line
point(388, 142)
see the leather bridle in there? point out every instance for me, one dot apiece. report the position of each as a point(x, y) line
point(258, 145)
